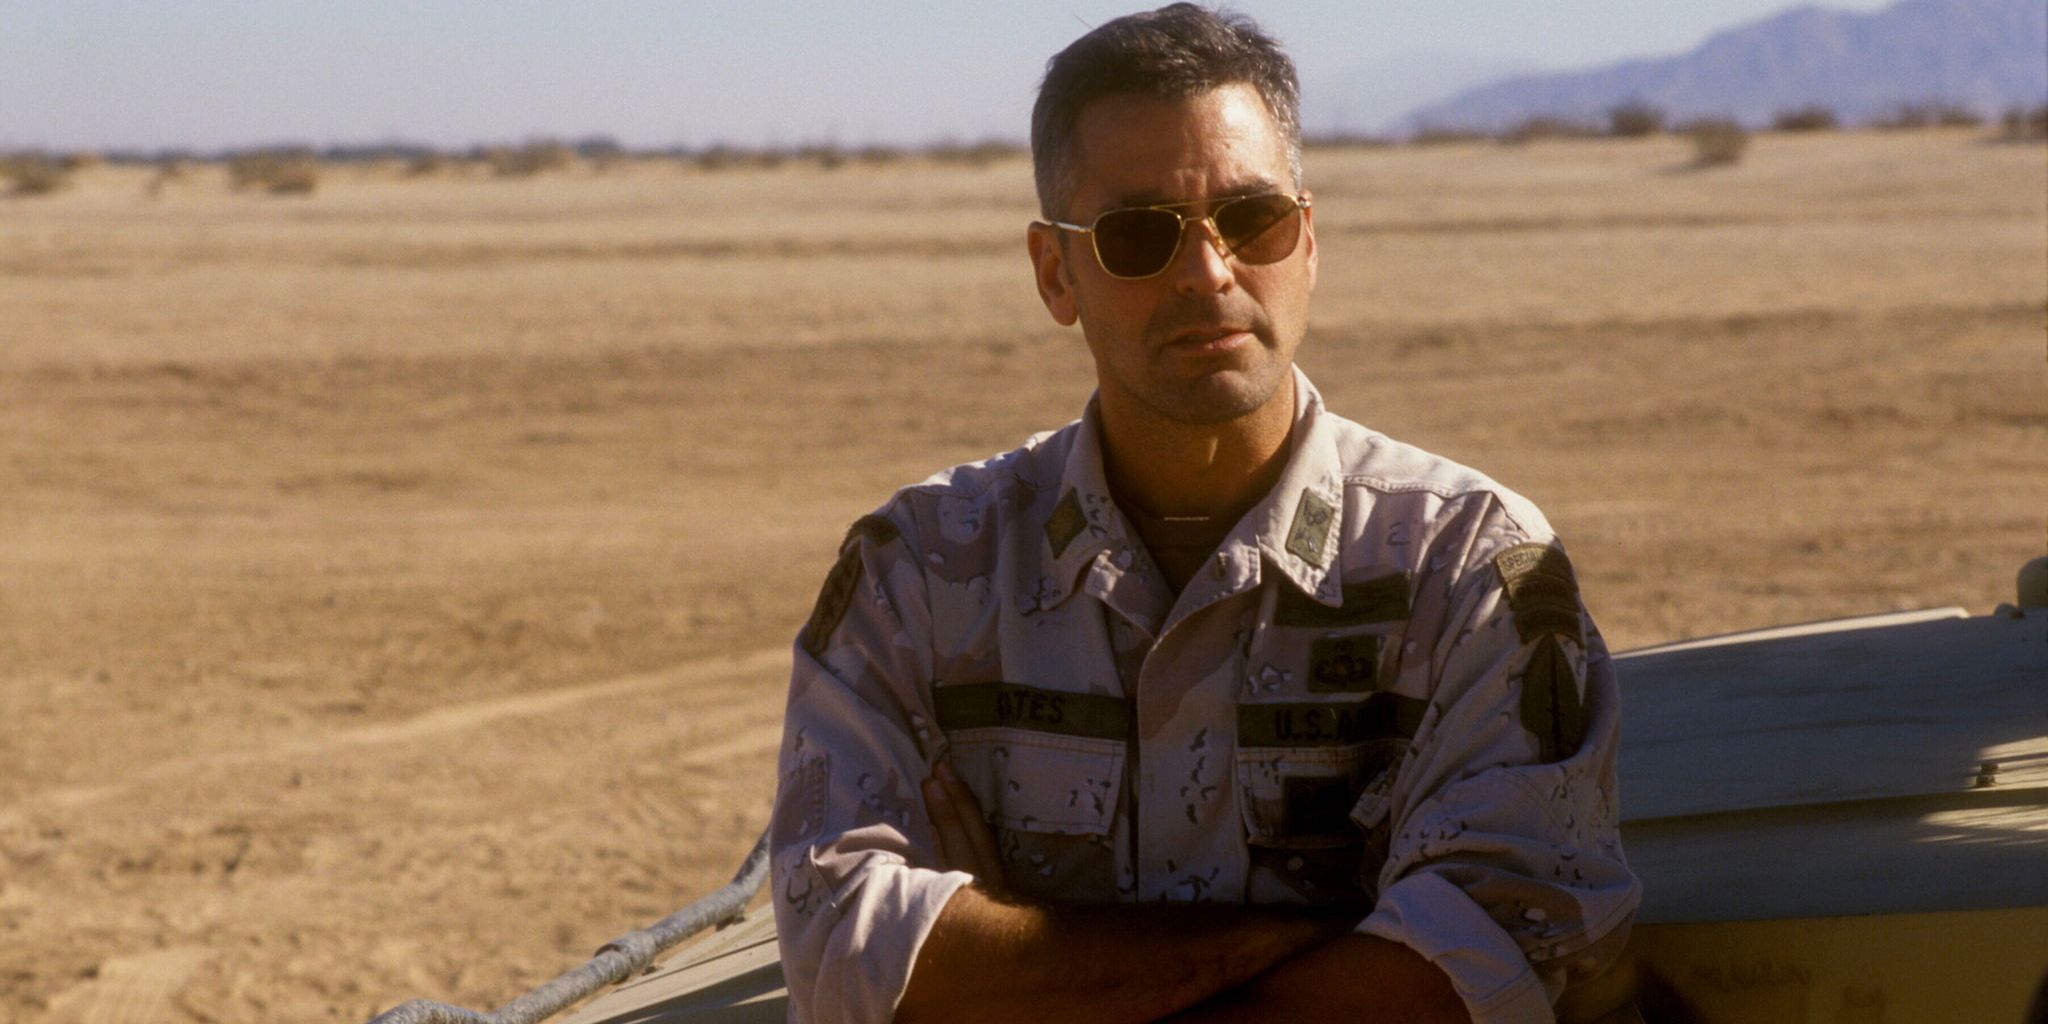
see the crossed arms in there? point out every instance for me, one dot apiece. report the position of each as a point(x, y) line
point(1503, 884)
point(1184, 963)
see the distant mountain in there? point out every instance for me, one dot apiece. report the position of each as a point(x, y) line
point(1988, 55)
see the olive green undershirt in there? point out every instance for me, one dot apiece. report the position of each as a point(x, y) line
point(1179, 544)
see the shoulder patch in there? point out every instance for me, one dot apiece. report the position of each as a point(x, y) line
point(1308, 538)
point(1066, 523)
point(1543, 595)
point(843, 580)
point(873, 528)
point(1542, 592)
point(1552, 709)
point(800, 807)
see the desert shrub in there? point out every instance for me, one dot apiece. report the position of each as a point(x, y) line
point(973, 154)
point(278, 172)
point(2024, 125)
point(1634, 120)
point(35, 174)
point(1545, 126)
point(1438, 135)
point(722, 157)
point(827, 156)
point(1905, 116)
point(525, 161)
point(1346, 140)
point(1814, 118)
point(599, 149)
point(880, 156)
point(168, 170)
point(425, 165)
point(604, 153)
point(1928, 115)
point(1716, 141)
point(718, 158)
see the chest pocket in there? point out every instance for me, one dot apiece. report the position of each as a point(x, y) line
point(1037, 760)
point(1302, 765)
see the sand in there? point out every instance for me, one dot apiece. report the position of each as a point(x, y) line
point(395, 582)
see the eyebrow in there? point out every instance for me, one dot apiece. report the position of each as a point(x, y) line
point(1155, 197)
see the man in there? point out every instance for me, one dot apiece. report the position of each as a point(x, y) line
point(1213, 704)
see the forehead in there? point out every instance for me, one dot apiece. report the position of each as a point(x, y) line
point(1131, 150)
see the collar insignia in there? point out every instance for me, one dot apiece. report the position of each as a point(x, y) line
point(1314, 519)
point(1066, 523)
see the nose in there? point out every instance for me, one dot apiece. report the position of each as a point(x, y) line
point(1202, 266)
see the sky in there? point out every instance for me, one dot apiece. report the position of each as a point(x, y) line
point(207, 74)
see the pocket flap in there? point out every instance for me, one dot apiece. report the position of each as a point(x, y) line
point(1312, 796)
point(1041, 782)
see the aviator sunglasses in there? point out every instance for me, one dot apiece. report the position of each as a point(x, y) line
point(1140, 241)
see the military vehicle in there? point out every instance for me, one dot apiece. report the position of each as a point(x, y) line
point(1840, 821)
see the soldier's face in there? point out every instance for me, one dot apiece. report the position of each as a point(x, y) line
point(1210, 338)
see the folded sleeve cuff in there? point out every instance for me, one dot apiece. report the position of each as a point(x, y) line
point(1436, 919)
point(884, 923)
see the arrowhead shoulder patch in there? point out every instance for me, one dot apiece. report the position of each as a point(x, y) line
point(1543, 595)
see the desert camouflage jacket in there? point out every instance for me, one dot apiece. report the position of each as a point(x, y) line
point(1381, 687)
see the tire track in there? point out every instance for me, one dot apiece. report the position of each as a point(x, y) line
point(440, 724)
point(136, 989)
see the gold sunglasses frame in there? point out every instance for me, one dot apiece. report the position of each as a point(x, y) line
point(1301, 206)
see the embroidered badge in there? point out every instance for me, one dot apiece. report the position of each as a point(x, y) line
point(1066, 523)
point(833, 598)
point(800, 812)
point(1381, 715)
point(1380, 599)
point(874, 529)
point(1011, 705)
point(1552, 709)
point(1309, 536)
point(1542, 593)
point(1343, 664)
point(843, 580)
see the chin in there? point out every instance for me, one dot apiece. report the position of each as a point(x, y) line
point(1218, 398)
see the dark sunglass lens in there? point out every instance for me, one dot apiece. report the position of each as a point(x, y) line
point(1260, 229)
point(1136, 243)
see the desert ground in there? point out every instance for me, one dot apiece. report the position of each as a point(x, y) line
point(395, 582)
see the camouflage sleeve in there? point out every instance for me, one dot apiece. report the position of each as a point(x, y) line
point(1504, 862)
point(854, 894)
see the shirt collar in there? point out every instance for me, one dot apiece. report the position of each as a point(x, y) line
point(1085, 523)
point(1297, 526)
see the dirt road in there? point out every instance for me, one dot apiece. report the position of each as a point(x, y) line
point(394, 582)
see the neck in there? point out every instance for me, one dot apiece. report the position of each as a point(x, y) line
point(1164, 468)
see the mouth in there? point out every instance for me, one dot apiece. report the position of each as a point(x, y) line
point(1211, 340)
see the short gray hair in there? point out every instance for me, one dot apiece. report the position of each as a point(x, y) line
point(1175, 52)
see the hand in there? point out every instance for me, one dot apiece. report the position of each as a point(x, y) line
point(965, 842)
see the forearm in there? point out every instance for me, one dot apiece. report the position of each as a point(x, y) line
point(1350, 977)
point(999, 960)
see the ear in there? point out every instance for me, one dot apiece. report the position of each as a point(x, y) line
point(1308, 231)
point(1049, 268)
